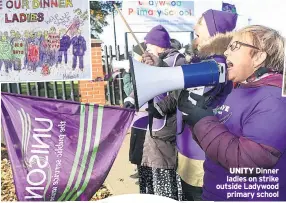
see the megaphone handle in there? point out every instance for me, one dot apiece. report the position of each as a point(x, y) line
point(150, 118)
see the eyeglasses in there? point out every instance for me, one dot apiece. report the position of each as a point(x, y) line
point(236, 46)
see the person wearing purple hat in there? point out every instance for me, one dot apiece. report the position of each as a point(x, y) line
point(157, 173)
point(213, 22)
point(244, 137)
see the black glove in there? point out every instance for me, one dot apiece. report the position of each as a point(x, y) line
point(153, 111)
point(194, 112)
point(129, 105)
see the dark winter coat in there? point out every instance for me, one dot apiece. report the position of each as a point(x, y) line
point(160, 151)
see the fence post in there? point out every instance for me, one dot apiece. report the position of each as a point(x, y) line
point(110, 72)
point(120, 82)
point(106, 65)
point(46, 89)
point(72, 91)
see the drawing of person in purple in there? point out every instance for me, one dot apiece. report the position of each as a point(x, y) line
point(79, 48)
point(40, 37)
point(54, 45)
point(44, 48)
point(65, 43)
point(28, 40)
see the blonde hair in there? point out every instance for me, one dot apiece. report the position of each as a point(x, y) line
point(267, 40)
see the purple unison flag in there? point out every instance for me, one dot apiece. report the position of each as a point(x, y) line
point(229, 7)
point(61, 150)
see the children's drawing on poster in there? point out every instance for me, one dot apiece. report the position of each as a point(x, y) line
point(44, 40)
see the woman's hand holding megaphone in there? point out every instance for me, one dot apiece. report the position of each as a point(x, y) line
point(153, 111)
point(193, 113)
point(152, 60)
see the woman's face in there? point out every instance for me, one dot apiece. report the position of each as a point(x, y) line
point(201, 31)
point(240, 61)
point(153, 49)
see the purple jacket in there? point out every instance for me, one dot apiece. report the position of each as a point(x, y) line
point(186, 145)
point(248, 131)
point(79, 45)
point(65, 43)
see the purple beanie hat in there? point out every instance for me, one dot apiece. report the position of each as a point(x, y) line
point(158, 36)
point(220, 21)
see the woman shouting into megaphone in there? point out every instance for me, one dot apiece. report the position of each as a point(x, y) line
point(248, 129)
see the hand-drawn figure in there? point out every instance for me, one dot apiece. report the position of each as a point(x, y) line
point(44, 54)
point(79, 48)
point(40, 37)
point(11, 39)
point(65, 43)
point(54, 46)
point(5, 52)
point(33, 51)
point(18, 51)
point(44, 48)
point(27, 39)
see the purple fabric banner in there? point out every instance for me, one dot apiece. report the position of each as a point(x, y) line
point(229, 7)
point(61, 150)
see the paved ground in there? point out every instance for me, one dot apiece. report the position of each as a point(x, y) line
point(118, 180)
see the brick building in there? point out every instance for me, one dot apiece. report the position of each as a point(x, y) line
point(94, 92)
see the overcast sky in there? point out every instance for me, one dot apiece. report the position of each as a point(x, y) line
point(270, 13)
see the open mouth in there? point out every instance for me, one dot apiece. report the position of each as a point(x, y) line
point(229, 64)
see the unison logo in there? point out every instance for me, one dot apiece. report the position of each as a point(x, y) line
point(35, 153)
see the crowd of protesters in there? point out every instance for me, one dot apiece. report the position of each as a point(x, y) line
point(191, 148)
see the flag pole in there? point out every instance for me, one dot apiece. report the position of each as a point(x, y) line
point(128, 27)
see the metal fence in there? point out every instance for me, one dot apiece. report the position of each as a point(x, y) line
point(113, 90)
point(57, 90)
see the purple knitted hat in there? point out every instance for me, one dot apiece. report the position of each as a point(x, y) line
point(158, 36)
point(220, 21)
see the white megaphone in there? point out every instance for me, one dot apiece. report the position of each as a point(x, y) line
point(150, 81)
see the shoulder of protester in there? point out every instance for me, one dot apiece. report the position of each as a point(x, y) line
point(216, 45)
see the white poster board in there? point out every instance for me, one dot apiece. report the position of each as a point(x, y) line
point(175, 16)
point(44, 40)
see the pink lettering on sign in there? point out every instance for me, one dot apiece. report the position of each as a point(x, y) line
point(130, 11)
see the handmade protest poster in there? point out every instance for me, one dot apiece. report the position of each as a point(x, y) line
point(44, 40)
point(61, 150)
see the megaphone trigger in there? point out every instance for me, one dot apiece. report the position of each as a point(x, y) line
point(196, 90)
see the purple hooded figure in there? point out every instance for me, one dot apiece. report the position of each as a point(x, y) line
point(190, 156)
point(219, 21)
point(79, 48)
point(65, 43)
